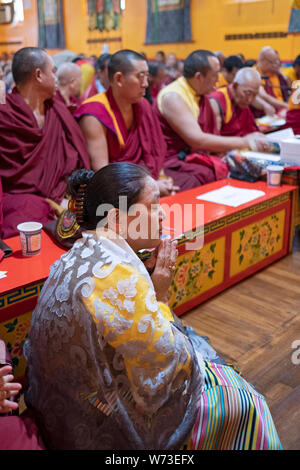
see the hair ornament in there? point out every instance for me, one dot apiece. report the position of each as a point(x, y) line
point(76, 206)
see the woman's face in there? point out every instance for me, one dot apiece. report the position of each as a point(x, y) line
point(144, 219)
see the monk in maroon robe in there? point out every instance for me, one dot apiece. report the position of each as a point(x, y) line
point(120, 125)
point(189, 124)
point(16, 433)
point(231, 104)
point(293, 113)
point(41, 143)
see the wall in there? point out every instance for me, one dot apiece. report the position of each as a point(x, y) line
point(13, 37)
point(76, 31)
point(211, 21)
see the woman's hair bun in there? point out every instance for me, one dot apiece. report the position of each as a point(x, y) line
point(77, 178)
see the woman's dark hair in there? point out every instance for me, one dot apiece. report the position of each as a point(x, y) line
point(105, 187)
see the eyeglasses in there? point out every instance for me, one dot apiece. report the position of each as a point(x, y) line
point(273, 62)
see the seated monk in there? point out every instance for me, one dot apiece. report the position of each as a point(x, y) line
point(274, 90)
point(293, 113)
point(230, 67)
point(119, 125)
point(189, 124)
point(231, 104)
point(292, 73)
point(69, 84)
point(41, 143)
point(100, 82)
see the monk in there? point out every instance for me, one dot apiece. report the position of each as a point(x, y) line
point(292, 73)
point(293, 113)
point(230, 67)
point(189, 124)
point(100, 82)
point(119, 125)
point(274, 88)
point(69, 84)
point(40, 145)
point(231, 104)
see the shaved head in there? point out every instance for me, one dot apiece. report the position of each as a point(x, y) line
point(266, 52)
point(26, 61)
point(67, 72)
point(245, 86)
point(246, 76)
point(268, 60)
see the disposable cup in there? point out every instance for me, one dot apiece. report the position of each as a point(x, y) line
point(30, 236)
point(274, 174)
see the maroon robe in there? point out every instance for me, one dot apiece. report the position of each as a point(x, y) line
point(17, 433)
point(190, 168)
point(293, 120)
point(35, 163)
point(74, 103)
point(242, 121)
point(143, 144)
point(1, 208)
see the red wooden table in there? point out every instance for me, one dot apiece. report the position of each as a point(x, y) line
point(238, 241)
point(19, 292)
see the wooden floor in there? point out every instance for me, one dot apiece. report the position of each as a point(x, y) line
point(253, 325)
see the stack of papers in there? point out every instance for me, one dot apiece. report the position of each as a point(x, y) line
point(231, 196)
point(290, 150)
point(278, 137)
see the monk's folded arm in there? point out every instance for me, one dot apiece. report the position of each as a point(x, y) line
point(95, 135)
point(177, 113)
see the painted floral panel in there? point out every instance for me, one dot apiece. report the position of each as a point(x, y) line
point(256, 242)
point(197, 271)
point(14, 332)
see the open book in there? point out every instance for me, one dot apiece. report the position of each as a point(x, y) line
point(273, 147)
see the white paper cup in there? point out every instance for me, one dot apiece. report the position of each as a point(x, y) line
point(274, 174)
point(30, 236)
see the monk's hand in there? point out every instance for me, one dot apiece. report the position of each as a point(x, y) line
point(8, 389)
point(2, 92)
point(269, 110)
point(164, 268)
point(251, 140)
point(167, 187)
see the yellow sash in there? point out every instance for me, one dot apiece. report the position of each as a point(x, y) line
point(290, 73)
point(229, 110)
point(102, 98)
point(221, 81)
point(187, 93)
point(292, 105)
point(275, 82)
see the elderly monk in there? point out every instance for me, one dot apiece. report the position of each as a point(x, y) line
point(231, 104)
point(119, 125)
point(69, 84)
point(274, 88)
point(40, 145)
point(189, 124)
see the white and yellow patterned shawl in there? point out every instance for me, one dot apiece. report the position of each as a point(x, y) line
point(108, 368)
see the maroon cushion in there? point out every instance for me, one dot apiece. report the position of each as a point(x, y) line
point(19, 434)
